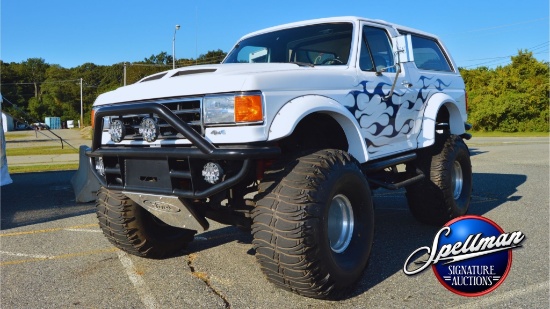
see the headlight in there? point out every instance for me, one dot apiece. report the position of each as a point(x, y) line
point(233, 109)
point(219, 109)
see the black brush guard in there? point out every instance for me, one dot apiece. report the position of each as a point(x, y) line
point(200, 149)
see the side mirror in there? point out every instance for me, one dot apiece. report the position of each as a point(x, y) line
point(402, 48)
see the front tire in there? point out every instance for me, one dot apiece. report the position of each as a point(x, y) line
point(313, 228)
point(136, 231)
point(445, 193)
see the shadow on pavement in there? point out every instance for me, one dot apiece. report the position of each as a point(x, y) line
point(398, 234)
point(42, 197)
point(476, 151)
point(39, 197)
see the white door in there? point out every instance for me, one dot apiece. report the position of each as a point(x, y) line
point(386, 118)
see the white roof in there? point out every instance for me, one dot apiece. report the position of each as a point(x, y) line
point(352, 19)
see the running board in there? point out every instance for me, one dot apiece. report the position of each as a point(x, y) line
point(385, 163)
point(398, 185)
point(377, 166)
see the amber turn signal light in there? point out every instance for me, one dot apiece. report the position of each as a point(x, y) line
point(248, 108)
point(93, 118)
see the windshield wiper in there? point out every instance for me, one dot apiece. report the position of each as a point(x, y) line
point(303, 64)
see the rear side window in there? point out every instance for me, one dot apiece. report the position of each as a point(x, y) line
point(428, 55)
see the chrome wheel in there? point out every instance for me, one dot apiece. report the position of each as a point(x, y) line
point(457, 180)
point(340, 223)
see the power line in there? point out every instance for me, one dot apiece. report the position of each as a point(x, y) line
point(497, 59)
point(539, 46)
point(44, 82)
point(492, 60)
point(499, 26)
point(543, 45)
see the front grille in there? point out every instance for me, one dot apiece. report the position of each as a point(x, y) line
point(187, 109)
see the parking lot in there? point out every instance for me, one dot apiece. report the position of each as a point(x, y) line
point(53, 254)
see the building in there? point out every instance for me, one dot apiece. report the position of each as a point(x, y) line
point(7, 122)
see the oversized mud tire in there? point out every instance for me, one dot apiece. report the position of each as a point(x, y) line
point(313, 224)
point(135, 230)
point(446, 191)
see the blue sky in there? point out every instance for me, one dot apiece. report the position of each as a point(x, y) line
point(71, 33)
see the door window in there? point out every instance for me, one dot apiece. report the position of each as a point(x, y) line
point(376, 51)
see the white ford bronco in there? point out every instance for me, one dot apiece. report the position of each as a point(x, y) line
point(287, 138)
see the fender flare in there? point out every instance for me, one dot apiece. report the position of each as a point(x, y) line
point(457, 118)
point(288, 117)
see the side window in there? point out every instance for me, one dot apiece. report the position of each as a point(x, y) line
point(376, 51)
point(365, 59)
point(428, 55)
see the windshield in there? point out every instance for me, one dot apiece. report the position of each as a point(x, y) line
point(322, 44)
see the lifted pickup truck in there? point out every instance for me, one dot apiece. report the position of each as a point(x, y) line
point(287, 137)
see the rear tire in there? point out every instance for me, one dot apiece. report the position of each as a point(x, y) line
point(445, 193)
point(136, 231)
point(314, 225)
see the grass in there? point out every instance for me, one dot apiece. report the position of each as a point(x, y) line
point(43, 150)
point(42, 168)
point(14, 136)
point(509, 134)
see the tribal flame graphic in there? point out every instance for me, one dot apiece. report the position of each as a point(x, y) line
point(382, 118)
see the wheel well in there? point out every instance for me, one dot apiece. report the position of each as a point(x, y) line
point(442, 120)
point(315, 131)
point(442, 115)
point(448, 119)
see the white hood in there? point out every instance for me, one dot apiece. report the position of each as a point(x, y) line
point(222, 78)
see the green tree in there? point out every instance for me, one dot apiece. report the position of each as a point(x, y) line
point(43, 90)
point(13, 89)
point(161, 59)
point(212, 57)
point(34, 71)
point(510, 98)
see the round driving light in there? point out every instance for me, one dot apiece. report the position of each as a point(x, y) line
point(212, 172)
point(117, 130)
point(149, 129)
point(99, 166)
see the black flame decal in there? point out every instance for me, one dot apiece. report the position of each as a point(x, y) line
point(379, 118)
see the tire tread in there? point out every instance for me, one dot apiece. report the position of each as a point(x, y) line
point(283, 221)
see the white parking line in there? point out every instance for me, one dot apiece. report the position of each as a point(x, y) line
point(496, 299)
point(34, 256)
point(83, 230)
point(139, 284)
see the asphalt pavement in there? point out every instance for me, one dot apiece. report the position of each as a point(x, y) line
point(53, 254)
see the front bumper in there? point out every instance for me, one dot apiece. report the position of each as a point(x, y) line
point(170, 171)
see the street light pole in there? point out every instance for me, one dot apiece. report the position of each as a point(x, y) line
point(174, 47)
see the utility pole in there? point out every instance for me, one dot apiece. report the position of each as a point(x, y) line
point(124, 73)
point(81, 108)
